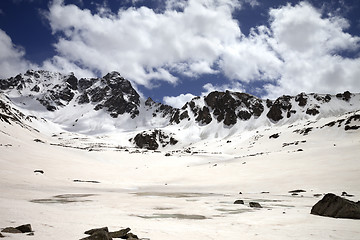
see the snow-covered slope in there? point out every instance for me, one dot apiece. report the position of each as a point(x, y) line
point(215, 150)
point(110, 105)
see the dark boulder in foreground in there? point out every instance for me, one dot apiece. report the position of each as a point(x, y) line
point(20, 229)
point(104, 234)
point(337, 207)
point(98, 235)
point(26, 228)
point(10, 230)
point(121, 233)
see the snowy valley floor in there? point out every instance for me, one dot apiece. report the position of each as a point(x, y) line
point(188, 195)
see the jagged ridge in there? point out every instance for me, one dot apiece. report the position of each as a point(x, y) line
point(116, 96)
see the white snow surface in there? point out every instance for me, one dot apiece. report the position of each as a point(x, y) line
point(187, 195)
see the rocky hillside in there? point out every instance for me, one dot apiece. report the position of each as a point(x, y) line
point(92, 104)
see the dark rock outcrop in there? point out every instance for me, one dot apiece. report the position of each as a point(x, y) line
point(204, 116)
point(337, 207)
point(301, 99)
point(346, 96)
point(281, 104)
point(275, 135)
point(111, 92)
point(225, 104)
point(153, 139)
point(312, 111)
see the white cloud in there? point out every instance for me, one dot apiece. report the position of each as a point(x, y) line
point(309, 45)
point(12, 59)
point(234, 87)
point(144, 45)
point(300, 50)
point(178, 101)
point(63, 65)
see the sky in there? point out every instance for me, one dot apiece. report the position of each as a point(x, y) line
point(173, 50)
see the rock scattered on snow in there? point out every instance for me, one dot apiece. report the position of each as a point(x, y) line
point(10, 230)
point(104, 234)
point(337, 207)
point(297, 191)
point(255, 205)
point(345, 194)
point(85, 181)
point(26, 228)
point(239, 202)
point(39, 171)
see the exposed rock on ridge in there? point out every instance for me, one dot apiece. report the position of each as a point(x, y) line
point(116, 96)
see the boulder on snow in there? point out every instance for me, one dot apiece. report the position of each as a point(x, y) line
point(10, 230)
point(337, 207)
point(255, 205)
point(26, 228)
point(104, 234)
point(98, 235)
point(239, 202)
point(92, 231)
point(120, 234)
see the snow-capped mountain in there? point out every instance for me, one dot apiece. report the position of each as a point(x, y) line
point(110, 104)
point(71, 148)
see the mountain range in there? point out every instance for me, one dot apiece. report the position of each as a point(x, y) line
point(78, 154)
point(110, 105)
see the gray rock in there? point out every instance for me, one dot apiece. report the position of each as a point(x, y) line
point(239, 202)
point(98, 235)
point(334, 206)
point(92, 231)
point(255, 205)
point(131, 236)
point(297, 191)
point(26, 228)
point(10, 230)
point(120, 234)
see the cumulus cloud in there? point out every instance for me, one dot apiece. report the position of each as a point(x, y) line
point(179, 101)
point(144, 45)
point(310, 47)
point(63, 65)
point(12, 59)
point(300, 49)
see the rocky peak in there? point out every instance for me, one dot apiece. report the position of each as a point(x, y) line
point(113, 93)
point(55, 90)
point(226, 107)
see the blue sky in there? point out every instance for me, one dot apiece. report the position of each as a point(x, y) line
point(173, 50)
